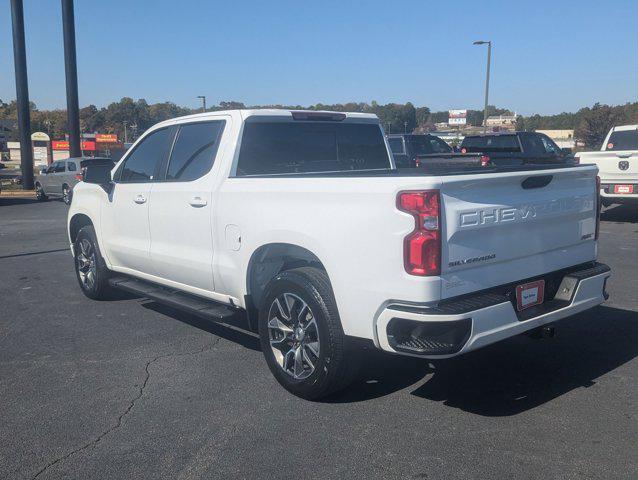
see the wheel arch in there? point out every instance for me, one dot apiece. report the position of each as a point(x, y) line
point(265, 263)
point(76, 223)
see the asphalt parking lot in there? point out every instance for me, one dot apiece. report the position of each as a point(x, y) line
point(131, 389)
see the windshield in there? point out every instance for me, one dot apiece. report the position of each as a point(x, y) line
point(427, 144)
point(490, 143)
point(623, 140)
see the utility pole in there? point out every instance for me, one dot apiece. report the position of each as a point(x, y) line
point(487, 78)
point(22, 94)
point(125, 132)
point(71, 70)
point(203, 98)
point(405, 127)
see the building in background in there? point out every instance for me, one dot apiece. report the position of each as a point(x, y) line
point(563, 138)
point(92, 145)
point(507, 122)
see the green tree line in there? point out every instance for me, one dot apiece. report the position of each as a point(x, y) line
point(590, 123)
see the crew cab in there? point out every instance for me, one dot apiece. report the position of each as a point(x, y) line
point(617, 162)
point(302, 221)
point(516, 148)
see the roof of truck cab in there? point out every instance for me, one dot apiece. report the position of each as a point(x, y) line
point(621, 128)
point(268, 112)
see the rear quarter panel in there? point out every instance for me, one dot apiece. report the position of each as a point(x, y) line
point(351, 224)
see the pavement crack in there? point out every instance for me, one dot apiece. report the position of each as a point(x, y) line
point(129, 408)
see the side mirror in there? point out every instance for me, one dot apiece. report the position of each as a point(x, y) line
point(99, 175)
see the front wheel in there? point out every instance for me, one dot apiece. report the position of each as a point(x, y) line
point(301, 334)
point(90, 269)
point(39, 193)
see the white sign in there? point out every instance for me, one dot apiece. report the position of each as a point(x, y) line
point(457, 117)
point(40, 155)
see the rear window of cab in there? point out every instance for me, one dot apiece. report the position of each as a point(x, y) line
point(270, 148)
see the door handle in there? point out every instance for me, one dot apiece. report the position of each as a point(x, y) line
point(197, 202)
point(139, 199)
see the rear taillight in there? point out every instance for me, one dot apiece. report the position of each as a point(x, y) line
point(78, 177)
point(485, 160)
point(422, 247)
point(598, 206)
point(417, 162)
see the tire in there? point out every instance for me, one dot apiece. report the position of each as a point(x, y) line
point(301, 335)
point(39, 193)
point(90, 268)
point(66, 194)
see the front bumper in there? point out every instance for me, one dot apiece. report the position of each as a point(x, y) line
point(464, 324)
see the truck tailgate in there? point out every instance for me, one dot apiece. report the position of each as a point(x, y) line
point(614, 166)
point(503, 227)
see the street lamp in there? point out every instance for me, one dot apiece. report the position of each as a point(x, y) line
point(203, 97)
point(125, 131)
point(487, 78)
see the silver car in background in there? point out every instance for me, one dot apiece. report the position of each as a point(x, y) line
point(58, 179)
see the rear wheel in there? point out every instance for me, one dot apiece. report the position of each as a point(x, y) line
point(66, 194)
point(90, 269)
point(39, 193)
point(301, 334)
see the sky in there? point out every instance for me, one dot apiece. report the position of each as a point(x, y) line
point(547, 57)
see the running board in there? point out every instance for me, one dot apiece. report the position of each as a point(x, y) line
point(177, 299)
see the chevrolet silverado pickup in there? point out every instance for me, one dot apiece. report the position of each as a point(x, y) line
point(302, 221)
point(617, 162)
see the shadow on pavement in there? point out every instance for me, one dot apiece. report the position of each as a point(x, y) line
point(621, 214)
point(504, 379)
point(4, 201)
point(520, 374)
point(233, 329)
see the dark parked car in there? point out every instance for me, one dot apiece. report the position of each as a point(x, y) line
point(516, 148)
point(428, 152)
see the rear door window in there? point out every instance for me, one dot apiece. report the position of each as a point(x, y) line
point(428, 144)
point(58, 167)
point(70, 166)
point(140, 165)
point(623, 140)
point(194, 150)
point(310, 147)
point(396, 145)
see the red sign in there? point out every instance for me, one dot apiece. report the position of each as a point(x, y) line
point(106, 137)
point(64, 145)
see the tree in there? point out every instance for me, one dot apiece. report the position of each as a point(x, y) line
point(595, 122)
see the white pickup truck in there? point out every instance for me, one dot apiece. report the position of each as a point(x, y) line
point(617, 163)
point(302, 220)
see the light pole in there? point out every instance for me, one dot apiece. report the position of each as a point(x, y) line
point(203, 97)
point(125, 131)
point(487, 78)
point(405, 127)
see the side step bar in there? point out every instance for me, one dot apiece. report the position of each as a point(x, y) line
point(195, 305)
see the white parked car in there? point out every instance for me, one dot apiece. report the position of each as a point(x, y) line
point(617, 162)
point(300, 219)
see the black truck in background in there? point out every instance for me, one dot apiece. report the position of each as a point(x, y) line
point(428, 152)
point(515, 148)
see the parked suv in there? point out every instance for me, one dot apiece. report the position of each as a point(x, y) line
point(516, 148)
point(302, 221)
point(59, 178)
